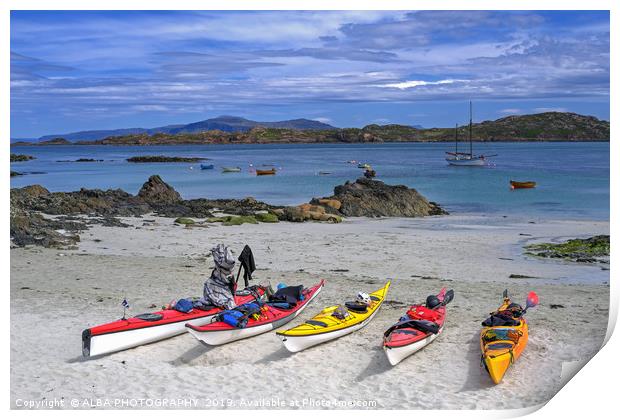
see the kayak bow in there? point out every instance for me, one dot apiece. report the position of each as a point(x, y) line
point(146, 328)
point(409, 336)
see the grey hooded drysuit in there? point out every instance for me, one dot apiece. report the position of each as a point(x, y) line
point(218, 289)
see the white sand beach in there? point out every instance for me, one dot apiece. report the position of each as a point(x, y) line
point(55, 294)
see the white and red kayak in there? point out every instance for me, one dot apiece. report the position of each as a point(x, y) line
point(271, 317)
point(148, 328)
point(418, 328)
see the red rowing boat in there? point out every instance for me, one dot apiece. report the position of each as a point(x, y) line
point(525, 184)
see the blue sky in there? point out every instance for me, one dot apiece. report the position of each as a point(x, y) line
point(73, 71)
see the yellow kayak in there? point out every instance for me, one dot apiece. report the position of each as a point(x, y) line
point(333, 322)
point(501, 345)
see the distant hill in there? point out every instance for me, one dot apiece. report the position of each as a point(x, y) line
point(224, 123)
point(549, 126)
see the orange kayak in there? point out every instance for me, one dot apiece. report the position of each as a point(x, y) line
point(501, 346)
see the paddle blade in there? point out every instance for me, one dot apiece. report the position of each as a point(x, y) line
point(532, 300)
point(505, 294)
point(447, 298)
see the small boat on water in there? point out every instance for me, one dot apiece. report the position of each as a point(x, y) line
point(522, 184)
point(205, 166)
point(364, 166)
point(324, 173)
point(231, 169)
point(457, 158)
point(271, 171)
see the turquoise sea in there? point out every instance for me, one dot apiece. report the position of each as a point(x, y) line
point(573, 178)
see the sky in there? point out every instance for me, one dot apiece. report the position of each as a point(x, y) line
point(79, 70)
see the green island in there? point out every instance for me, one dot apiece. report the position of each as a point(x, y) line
point(547, 126)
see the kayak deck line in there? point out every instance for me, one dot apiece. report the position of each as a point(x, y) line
point(224, 333)
point(124, 334)
point(310, 334)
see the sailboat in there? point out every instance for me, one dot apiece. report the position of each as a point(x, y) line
point(457, 158)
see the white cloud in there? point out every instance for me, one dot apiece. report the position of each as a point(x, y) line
point(324, 120)
point(414, 83)
point(147, 108)
point(510, 111)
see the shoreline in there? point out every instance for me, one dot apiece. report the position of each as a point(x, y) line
point(493, 238)
point(154, 261)
point(94, 143)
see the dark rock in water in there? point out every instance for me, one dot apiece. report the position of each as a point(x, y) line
point(156, 191)
point(20, 158)
point(521, 276)
point(82, 160)
point(160, 159)
point(371, 198)
point(556, 306)
point(13, 173)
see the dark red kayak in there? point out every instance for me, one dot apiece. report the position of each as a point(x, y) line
point(270, 317)
point(418, 328)
point(148, 328)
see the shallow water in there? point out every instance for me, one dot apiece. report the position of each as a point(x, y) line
point(573, 178)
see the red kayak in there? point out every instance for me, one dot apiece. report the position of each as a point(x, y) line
point(148, 328)
point(269, 316)
point(418, 328)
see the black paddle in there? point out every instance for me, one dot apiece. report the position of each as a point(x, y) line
point(447, 298)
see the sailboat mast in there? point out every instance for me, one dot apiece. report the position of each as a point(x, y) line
point(456, 139)
point(471, 152)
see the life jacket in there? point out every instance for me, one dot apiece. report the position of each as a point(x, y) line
point(422, 312)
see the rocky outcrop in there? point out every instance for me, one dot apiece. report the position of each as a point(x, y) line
point(156, 191)
point(370, 198)
point(90, 202)
point(29, 226)
point(306, 212)
point(589, 250)
point(364, 197)
point(21, 158)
